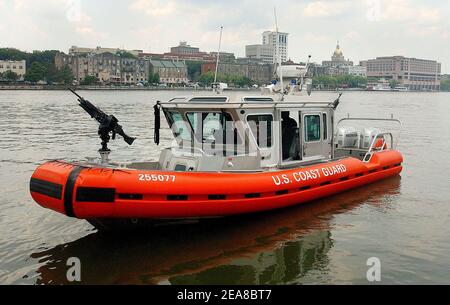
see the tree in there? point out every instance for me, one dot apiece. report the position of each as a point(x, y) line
point(65, 75)
point(12, 54)
point(332, 82)
point(194, 69)
point(445, 85)
point(154, 78)
point(89, 80)
point(206, 79)
point(393, 83)
point(11, 76)
point(125, 54)
point(36, 72)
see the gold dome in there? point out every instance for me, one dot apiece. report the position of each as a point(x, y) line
point(338, 51)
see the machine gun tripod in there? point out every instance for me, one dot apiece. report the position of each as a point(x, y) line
point(108, 129)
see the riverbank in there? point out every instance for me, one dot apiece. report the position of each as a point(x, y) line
point(113, 88)
point(161, 88)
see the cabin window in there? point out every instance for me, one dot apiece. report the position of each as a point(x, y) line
point(213, 127)
point(312, 128)
point(178, 125)
point(261, 127)
point(325, 127)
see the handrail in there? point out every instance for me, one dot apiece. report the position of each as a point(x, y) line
point(371, 119)
point(376, 119)
point(368, 155)
point(249, 105)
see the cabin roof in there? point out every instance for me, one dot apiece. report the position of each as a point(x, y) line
point(225, 102)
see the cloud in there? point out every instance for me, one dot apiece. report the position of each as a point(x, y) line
point(365, 28)
point(325, 8)
point(154, 7)
point(406, 10)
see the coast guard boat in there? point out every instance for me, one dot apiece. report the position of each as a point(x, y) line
point(229, 156)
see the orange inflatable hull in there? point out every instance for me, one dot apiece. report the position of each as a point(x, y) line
point(98, 193)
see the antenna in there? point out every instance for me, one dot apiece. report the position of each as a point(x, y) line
point(278, 50)
point(218, 55)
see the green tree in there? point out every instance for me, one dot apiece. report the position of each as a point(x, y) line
point(194, 69)
point(333, 82)
point(206, 79)
point(12, 54)
point(65, 75)
point(125, 54)
point(393, 83)
point(36, 72)
point(445, 85)
point(154, 78)
point(10, 76)
point(89, 80)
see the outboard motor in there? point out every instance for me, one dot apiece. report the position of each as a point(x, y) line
point(348, 137)
point(368, 136)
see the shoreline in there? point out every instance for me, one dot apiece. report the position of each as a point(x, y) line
point(107, 88)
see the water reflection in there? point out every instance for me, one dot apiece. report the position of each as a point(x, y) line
point(271, 248)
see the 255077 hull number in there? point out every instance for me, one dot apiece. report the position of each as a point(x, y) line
point(157, 178)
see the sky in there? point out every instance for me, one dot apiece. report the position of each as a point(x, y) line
point(365, 28)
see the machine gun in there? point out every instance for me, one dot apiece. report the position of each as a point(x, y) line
point(108, 124)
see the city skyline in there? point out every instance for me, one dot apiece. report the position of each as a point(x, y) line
point(401, 27)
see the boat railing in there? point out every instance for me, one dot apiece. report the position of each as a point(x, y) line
point(392, 120)
point(376, 146)
point(186, 103)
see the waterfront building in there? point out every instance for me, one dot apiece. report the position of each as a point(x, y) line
point(108, 68)
point(445, 77)
point(74, 50)
point(413, 73)
point(279, 43)
point(267, 51)
point(170, 72)
point(184, 52)
point(259, 73)
point(184, 48)
point(357, 70)
point(19, 67)
point(261, 52)
point(337, 61)
point(224, 56)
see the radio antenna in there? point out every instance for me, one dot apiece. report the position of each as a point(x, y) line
point(278, 51)
point(218, 55)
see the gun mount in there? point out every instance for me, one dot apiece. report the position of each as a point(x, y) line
point(108, 126)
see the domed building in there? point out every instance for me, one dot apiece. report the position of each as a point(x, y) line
point(338, 59)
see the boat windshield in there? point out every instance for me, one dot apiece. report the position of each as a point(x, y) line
point(213, 127)
point(179, 126)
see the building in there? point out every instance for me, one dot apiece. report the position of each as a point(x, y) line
point(170, 72)
point(261, 52)
point(224, 56)
point(184, 48)
point(279, 43)
point(259, 73)
point(19, 67)
point(272, 43)
point(416, 74)
point(337, 60)
point(108, 68)
point(357, 70)
point(74, 50)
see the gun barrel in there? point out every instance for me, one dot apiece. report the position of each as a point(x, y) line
point(108, 123)
point(74, 92)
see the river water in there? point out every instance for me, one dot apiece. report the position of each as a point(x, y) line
point(403, 221)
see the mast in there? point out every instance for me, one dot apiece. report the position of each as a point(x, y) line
point(278, 51)
point(218, 55)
